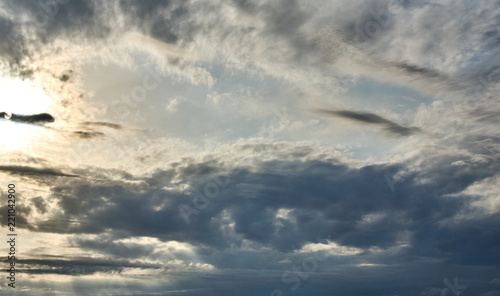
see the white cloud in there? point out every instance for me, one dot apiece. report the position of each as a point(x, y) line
point(330, 249)
point(173, 104)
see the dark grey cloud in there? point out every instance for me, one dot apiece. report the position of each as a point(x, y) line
point(29, 119)
point(366, 24)
point(323, 198)
point(370, 118)
point(13, 49)
point(417, 70)
point(31, 171)
point(39, 204)
point(77, 266)
point(171, 22)
point(87, 134)
point(108, 246)
point(43, 118)
point(91, 133)
point(46, 22)
point(101, 123)
point(64, 77)
point(370, 27)
point(326, 199)
point(158, 19)
point(284, 20)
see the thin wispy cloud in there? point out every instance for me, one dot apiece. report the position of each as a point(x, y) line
point(370, 119)
point(100, 123)
point(24, 170)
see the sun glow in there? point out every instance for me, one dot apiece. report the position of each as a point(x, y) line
point(20, 97)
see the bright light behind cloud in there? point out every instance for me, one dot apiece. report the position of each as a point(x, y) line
point(20, 97)
point(15, 136)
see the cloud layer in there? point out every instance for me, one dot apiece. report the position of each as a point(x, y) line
point(181, 160)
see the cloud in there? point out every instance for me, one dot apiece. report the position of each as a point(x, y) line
point(173, 104)
point(101, 123)
point(24, 170)
point(42, 118)
point(296, 203)
point(87, 134)
point(80, 266)
point(29, 119)
point(321, 196)
point(370, 118)
point(388, 218)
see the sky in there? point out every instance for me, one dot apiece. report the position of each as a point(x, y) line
point(251, 147)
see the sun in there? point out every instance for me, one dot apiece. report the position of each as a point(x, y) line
point(20, 97)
